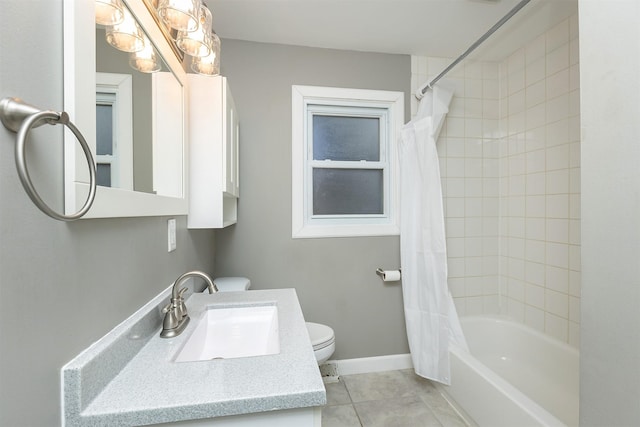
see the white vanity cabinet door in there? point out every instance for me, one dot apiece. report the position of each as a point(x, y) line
point(213, 153)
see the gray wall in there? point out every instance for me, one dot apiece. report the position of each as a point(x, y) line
point(610, 108)
point(63, 286)
point(335, 278)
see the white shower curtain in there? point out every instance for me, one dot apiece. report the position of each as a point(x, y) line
point(430, 315)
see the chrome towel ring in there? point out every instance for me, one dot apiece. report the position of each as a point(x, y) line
point(20, 117)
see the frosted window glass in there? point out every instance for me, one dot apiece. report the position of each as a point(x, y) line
point(103, 174)
point(104, 129)
point(346, 138)
point(347, 191)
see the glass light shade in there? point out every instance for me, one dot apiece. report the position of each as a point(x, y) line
point(126, 36)
point(146, 60)
point(209, 65)
point(109, 12)
point(198, 42)
point(181, 15)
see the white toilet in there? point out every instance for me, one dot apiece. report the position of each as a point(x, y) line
point(322, 337)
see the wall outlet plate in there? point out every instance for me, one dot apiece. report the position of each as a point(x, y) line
point(171, 234)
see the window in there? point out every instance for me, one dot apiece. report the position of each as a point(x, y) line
point(114, 130)
point(344, 161)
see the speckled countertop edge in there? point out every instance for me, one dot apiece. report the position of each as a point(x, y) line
point(151, 388)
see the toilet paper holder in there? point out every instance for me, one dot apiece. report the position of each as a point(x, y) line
point(385, 277)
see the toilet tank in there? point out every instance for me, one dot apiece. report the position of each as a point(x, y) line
point(232, 284)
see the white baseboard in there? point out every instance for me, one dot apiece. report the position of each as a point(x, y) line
point(366, 365)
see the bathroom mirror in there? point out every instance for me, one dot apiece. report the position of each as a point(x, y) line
point(145, 174)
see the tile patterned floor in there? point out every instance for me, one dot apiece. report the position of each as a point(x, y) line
point(387, 399)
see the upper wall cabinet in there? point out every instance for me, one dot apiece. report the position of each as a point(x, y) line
point(214, 160)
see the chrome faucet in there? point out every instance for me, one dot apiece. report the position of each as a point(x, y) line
point(176, 318)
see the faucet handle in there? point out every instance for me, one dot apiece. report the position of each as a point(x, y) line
point(180, 308)
point(170, 319)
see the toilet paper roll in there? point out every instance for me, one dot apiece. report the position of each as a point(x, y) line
point(391, 275)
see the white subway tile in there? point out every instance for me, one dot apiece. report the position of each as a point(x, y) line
point(558, 182)
point(455, 268)
point(535, 228)
point(473, 206)
point(537, 71)
point(455, 167)
point(515, 248)
point(558, 83)
point(455, 187)
point(574, 258)
point(490, 89)
point(455, 147)
point(575, 278)
point(454, 227)
point(574, 181)
point(515, 309)
point(516, 290)
point(473, 187)
point(473, 88)
point(456, 287)
point(535, 49)
point(473, 226)
point(490, 304)
point(474, 306)
point(558, 206)
point(557, 157)
point(516, 61)
point(557, 279)
point(558, 59)
point(536, 206)
point(535, 251)
point(536, 161)
point(558, 108)
point(557, 230)
point(556, 327)
point(535, 93)
point(574, 334)
point(455, 207)
point(455, 247)
point(536, 116)
point(556, 303)
point(517, 185)
point(516, 227)
point(536, 183)
point(558, 35)
point(490, 70)
point(535, 295)
point(534, 318)
point(574, 309)
point(574, 232)
point(534, 273)
point(557, 255)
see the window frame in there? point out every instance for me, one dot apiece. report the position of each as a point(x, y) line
point(389, 107)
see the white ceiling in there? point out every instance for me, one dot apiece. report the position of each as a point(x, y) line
point(443, 28)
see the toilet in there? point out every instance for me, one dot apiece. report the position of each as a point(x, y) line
point(321, 336)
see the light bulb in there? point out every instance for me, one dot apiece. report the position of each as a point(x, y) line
point(109, 12)
point(209, 65)
point(146, 60)
point(127, 35)
point(198, 42)
point(181, 15)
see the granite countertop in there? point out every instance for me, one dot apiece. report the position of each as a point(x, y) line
point(127, 379)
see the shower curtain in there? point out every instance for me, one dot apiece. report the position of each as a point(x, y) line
point(431, 319)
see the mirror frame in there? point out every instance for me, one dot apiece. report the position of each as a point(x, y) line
point(79, 103)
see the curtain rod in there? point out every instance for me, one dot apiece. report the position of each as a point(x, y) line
point(471, 48)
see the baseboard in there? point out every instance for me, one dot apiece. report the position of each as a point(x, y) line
point(366, 365)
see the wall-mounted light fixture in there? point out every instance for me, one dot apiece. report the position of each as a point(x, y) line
point(209, 65)
point(189, 22)
point(109, 12)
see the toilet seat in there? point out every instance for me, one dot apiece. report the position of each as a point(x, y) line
point(321, 336)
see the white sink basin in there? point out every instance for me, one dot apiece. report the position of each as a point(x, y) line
point(230, 332)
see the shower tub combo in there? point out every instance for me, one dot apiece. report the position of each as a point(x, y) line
point(514, 376)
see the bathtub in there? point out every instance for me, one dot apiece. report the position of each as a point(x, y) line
point(515, 376)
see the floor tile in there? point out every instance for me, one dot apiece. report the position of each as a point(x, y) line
point(377, 386)
point(400, 412)
point(337, 394)
point(340, 416)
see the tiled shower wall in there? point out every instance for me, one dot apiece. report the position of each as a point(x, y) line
point(510, 167)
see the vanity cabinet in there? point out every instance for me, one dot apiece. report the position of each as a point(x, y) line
point(213, 153)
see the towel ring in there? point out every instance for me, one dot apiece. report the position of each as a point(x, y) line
point(20, 117)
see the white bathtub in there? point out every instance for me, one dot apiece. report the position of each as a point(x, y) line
point(515, 376)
